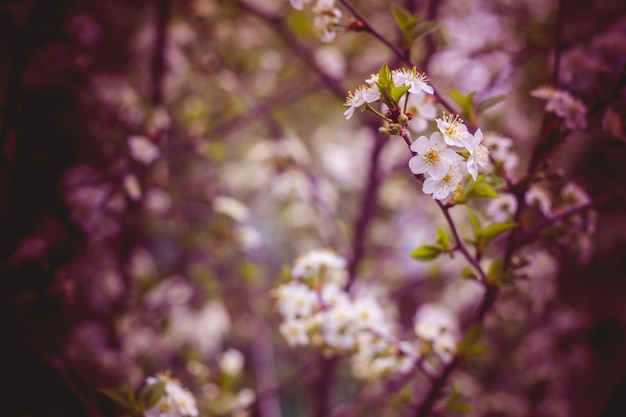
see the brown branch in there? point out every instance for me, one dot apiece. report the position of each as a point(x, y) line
point(558, 33)
point(163, 8)
point(368, 202)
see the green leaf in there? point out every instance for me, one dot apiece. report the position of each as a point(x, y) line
point(426, 253)
point(489, 103)
point(456, 404)
point(401, 15)
point(495, 271)
point(466, 103)
point(424, 28)
point(406, 23)
point(398, 92)
point(151, 394)
point(125, 398)
point(474, 220)
point(482, 189)
point(385, 85)
point(472, 336)
point(442, 238)
point(468, 273)
point(494, 230)
point(384, 78)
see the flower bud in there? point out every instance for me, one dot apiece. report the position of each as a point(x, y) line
point(395, 129)
point(403, 119)
point(383, 131)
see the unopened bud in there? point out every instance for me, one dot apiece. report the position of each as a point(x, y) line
point(395, 129)
point(383, 131)
point(403, 119)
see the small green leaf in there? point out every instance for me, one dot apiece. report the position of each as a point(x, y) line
point(474, 220)
point(494, 272)
point(472, 335)
point(482, 189)
point(385, 85)
point(442, 238)
point(125, 398)
point(406, 23)
point(456, 404)
point(151, 394)
point(468, 273)
point(398, 92)
point(426, 253)
point(401, 15)
point(494, 230)
point(466, 103)
point(424, 28)
point(384, 78)
point(490, 102)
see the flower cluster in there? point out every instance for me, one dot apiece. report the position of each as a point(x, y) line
point(561, 103)
point(175, 402)
point(438, 328)
point(318, 312)
point(437, 158)
point(370, 92)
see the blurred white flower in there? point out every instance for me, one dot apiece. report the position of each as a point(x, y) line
point(142, 149)
point(175, 402)
point(231, 362)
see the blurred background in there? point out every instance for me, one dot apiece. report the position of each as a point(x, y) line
point(163, 161)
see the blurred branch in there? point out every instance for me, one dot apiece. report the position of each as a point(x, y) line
point(431, 14)
point(368, 203)
point(262, 108)
point(277, 23)
point(558, 33)
point(163, 8)
point(18, 59)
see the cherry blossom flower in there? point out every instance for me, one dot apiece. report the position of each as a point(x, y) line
point(502, 208)
point(563, 104)
point(175, 402)
point(479, 154)
point(413, 78)
point(453, 130)
point(433, 156)
point(442, 187)
point(538, 197)
point(142, 150)
point(436, 325)
point(360, 97)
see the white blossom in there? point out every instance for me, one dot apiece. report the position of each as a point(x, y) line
point(413, 78)
point(295, 331)
point(297, 4)
point(142, 149)
point(433, 156)
point(295, 300)
point(436, 325)
point(320, 264)
point(563, 104)
point(442, 187)
point(453, 130)
point(231, 362)
point(502, 208)
point(538, 197)
point(479, 154)
point(175, 402)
